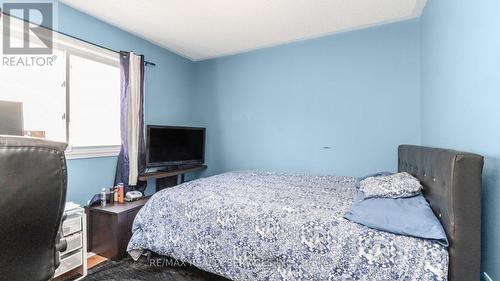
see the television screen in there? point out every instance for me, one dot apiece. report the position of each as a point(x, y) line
point(174, 146)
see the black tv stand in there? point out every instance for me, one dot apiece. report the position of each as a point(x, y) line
point(170, 176)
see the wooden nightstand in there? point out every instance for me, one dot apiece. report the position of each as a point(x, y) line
point(110, 228)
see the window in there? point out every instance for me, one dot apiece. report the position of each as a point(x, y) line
point(74, 100)
point(42, 94)
point(94, 98)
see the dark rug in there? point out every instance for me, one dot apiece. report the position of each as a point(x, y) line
point(144, 269)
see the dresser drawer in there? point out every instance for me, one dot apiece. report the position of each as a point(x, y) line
point(71, 225)
point(74, 242)
point(70, 262)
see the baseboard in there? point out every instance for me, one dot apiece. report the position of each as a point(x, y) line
point(487, 277)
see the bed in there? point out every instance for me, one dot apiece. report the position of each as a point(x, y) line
point(252, 225)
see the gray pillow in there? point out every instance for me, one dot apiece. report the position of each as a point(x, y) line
point(390, 186)
point(379, 174)
point(410, 216)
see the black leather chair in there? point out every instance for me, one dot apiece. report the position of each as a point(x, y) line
point(33, 183)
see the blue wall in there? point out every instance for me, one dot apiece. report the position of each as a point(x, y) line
point(433, 81)
point(276, 108)
point(461, 96)
point(167, 97)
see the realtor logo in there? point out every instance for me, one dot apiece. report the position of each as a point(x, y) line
point(34, 16)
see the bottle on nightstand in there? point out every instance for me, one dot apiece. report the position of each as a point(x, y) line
point(115, 194)
point(121, 193)
point(112, 195)
point(103, 197)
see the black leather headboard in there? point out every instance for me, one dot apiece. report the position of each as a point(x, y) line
point(452, 185)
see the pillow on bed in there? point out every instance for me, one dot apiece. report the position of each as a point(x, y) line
point(390, 186)
point(379, 174)
point(405, 216)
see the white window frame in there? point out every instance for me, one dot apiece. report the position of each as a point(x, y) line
point(79, 48)
point(73, 46)
point(92, 152)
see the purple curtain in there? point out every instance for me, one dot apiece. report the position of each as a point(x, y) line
point(122, 169)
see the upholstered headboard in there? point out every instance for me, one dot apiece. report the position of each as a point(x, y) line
point(452, 185)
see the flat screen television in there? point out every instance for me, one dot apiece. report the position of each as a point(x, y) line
point(169, 146)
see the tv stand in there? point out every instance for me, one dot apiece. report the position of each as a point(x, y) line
point(177, 168)
point(170, 176)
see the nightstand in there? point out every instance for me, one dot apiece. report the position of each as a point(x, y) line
point(110, 228)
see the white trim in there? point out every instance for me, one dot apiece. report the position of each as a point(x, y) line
point(416, 13)
point(84, 49)
point(92, 152)
point(487, 277)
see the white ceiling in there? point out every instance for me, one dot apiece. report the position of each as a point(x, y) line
point(202, 29)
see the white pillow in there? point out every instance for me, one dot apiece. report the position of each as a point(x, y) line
point(391, 186)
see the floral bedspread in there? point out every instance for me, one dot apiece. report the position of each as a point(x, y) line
point(269, 226)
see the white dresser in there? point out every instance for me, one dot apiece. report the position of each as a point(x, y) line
point(75, 232)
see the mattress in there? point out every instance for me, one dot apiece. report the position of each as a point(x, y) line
point(253, 225)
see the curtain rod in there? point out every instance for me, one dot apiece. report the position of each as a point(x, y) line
point(74, 37)
point(101, 46)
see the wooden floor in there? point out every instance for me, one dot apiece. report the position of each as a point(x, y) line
point(91, 262)
point(95, 260)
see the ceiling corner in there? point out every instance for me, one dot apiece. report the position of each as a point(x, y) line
point(419, 8)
